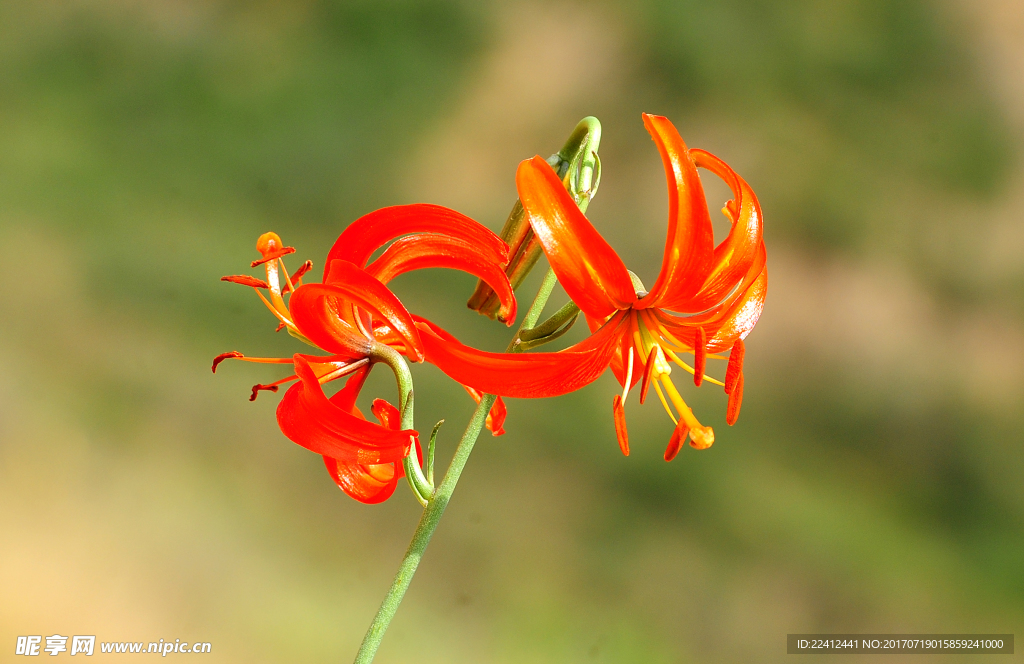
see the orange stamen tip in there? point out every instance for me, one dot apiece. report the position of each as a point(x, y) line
point(735, 367)
point(225, 356)
point(303, 269)
point(648, 373)
point(280, 326)
point(700, 356)
point(676, 442)
point(246, 280)
point(273, 255)
point(619, 415)
point(732, 411)
point(256, 389)
point(701, 438)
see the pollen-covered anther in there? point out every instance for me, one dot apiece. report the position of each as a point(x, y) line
point(657, 366)
point(735, 366)
point(225, 356)
point(303, 269)
point(619, 416)
point(701, 437)
point(676, 442)
point(246, 280)
point(256, 389)
point(700, 355)
point(732, 411)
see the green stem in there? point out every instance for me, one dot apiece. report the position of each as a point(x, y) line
point(579, 155)
point(439, 501)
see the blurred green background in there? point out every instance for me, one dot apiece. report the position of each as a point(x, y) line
point(872, 484)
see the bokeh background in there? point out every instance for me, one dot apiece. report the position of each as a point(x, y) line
point(872, 484)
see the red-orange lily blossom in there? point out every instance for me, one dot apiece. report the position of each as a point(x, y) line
point(355, 317)
point(706, 298)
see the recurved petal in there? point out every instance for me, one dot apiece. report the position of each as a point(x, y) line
point(369, 484)
point(315, 309)
point(307, 417)
point(690, 244)
point(591, 272)
point(372, 231)
point(523, 375)
point(740, 250)
point(424, 250)
point(726, 324)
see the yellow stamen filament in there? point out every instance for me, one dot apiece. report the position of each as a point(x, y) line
point(684, 411)
point(287, 279)
point(664, 403)
point(281, 317)
point(342, 370)
point(675, 358)
point(629, 376)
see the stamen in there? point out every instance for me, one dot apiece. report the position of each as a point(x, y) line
point(274, 255)
point(287, 280)
point(676, 442)
point(700, 342)
point(281, 317)
point(303, 269)
point(629, 376)
point(735, 367)
point(235, 355)
point(664, 403)
point(686, 414)
point(619, 415)
point(343, 369)
point(686, 367)
point(732, 411)
point(295, 280)
point(272, 387)
point(656, 367)
point(246, 280)
point(280, 326)
point(224, 356)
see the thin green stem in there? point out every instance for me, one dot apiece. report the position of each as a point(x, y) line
point(436, 505)
point(580, 154)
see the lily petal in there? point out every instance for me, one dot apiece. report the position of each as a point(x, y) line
point(735, 255)
point(415, 252)
point(691, 240)
point(316, 309)
point(591, 272)
point(372, 231)
point(307, 417)
point(523, 375)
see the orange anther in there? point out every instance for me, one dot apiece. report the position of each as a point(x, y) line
point(700, 355)
point(645, 383)
point(225, 356)
point(619, 416)
point(256, 389)
point(676, 442)
point(735, 368)
point(732, 411)
point(246, 280)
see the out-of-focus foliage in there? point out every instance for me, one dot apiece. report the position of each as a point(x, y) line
point(872, 483)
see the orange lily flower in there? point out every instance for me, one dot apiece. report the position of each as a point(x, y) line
point(357, 319)
point(705, 301)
